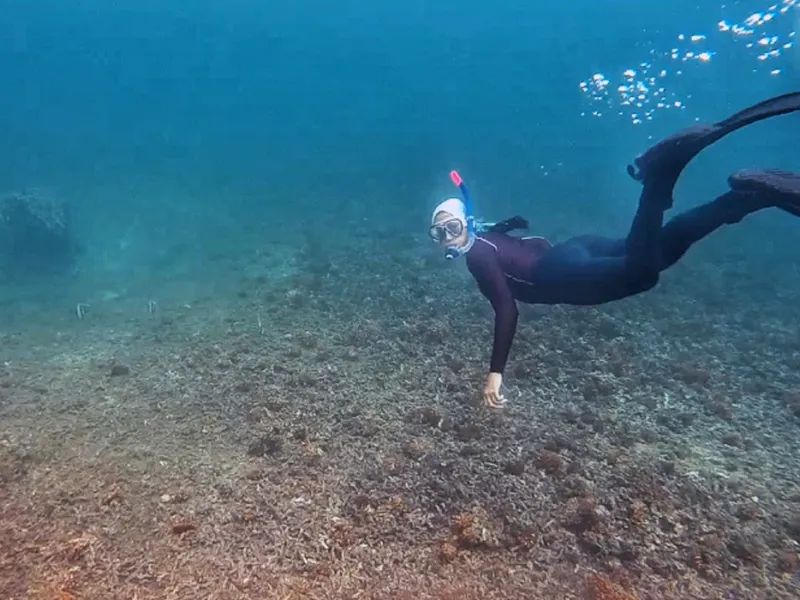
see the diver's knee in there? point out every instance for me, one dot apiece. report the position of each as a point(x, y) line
point(645, 280)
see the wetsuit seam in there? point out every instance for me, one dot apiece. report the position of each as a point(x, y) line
point(508, 275)
point(512, 278)
point(485, 241)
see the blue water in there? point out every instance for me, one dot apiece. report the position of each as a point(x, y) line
point(358, 105)
point(202, 143)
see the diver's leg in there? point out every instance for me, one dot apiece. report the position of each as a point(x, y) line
point(590, 270)
point(691, 226)
point(665, 161)
point(643, 243)
point(586, 270)
point(660, 168)
point(614, 269)
point(751, 191)
point(576, 274)
point(603, 269)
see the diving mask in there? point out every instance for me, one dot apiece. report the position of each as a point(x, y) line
point(446, 231)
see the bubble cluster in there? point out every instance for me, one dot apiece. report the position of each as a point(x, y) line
point(639, 92)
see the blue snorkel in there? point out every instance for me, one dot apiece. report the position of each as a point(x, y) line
point(452, 253)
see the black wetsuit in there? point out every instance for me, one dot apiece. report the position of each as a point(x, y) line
point(592, 270)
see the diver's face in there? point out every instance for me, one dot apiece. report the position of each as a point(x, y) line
point(449, 231)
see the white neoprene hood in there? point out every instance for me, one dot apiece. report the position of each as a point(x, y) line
point(453, 206)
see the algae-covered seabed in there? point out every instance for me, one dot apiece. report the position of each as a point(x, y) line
point(316, 434)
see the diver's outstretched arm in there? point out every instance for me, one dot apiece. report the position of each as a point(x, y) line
point(661, 164)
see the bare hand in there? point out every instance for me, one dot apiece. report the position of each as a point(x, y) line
point(491, 393)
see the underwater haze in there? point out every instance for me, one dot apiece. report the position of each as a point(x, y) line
point(233, 364)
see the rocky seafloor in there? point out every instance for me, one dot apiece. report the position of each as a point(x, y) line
point(320, 436)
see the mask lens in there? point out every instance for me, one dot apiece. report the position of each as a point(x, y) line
point(447, 230)
point(454, 227)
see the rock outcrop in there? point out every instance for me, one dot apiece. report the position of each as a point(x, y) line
point(35, 235)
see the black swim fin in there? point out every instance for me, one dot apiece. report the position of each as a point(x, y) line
point(772, 107)
point(663, 163)
point(781, 187)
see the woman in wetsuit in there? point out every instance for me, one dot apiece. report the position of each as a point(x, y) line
point(591, 270)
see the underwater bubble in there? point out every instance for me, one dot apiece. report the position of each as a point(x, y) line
point(648, 87)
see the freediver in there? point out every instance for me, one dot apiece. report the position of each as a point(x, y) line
point(589, 270)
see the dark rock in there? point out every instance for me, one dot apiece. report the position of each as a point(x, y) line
point(661, 567)
point(264, 446)
point(749, 512)
point(692, 375)
point(558, 442)
point(625, 550)
point(648, 435)
point(582, 515)
point(571, 415)
point(414, 449)
point(119, 370)
point(515, 467)
point(592, 543)
point(666, 524)
point(648, 401)
point(732, 439)
point(435, 418)
point(792, 402)
point(468, 432)
point(720, 407)
point(666, 467)
point(35, 235)
point(747, 549)
point(470, 450)
point(788, 562)
point(362, 427)
point(575, 486)
point(792, 526)
point(613, 456)
point(550, 462)
point(435, 464)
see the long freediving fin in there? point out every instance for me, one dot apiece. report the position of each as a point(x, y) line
point(667, 158)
